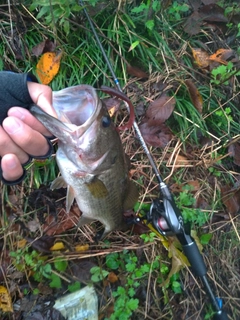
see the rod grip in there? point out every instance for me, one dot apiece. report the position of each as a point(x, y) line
point(195, 259)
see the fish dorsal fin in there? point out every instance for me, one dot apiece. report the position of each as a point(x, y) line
point(131, 196)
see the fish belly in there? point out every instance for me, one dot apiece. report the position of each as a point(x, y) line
point(107, 209)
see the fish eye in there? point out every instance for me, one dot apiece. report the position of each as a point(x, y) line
point(106, 121)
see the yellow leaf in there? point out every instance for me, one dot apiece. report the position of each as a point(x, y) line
point(48, 66)
point(57, 246)
point(21, 243)
point(80, 247)
point(201, 57)
point(5, 300)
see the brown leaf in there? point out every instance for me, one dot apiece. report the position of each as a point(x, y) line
point(42, 244)
point(234, 150)
point(201, 57)
point(193, 24)
point(208, 1)
point(231, 199)
point(195, 95)
point(160, 110)
point(195, 4)
point(112, 277)
point(136, 72)
point(44, 46)
point(64, 221)
point(213, 13)
point(156, 136)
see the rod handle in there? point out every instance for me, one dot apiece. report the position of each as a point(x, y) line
point(195, 259)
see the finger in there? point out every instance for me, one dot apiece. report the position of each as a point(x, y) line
point(7, 145)
point(42, 96)
point(31, 141)
point(29, 119)
point(11, 167)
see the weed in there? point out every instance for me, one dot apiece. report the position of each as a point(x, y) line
point(186, 201)
point(222, 74)
point(176, 9)
point(35, 264)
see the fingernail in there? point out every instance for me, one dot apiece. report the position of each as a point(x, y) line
point(12, 125)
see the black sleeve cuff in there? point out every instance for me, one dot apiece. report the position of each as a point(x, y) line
point(14, 91)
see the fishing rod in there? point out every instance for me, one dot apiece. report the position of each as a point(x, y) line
point(164, 215)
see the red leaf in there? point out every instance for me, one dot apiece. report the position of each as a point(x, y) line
point(156, 136)
point(160, 110)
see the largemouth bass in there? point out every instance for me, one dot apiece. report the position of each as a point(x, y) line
point(90, 157)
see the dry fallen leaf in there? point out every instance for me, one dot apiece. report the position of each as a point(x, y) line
point(136, 72)
point(64, 221)
point(222, 56)
point(112, 277)
point(159, 110)
point(213, 13)
point(195, 95)
point(158, 136)
point(231, 199)
point(48, 66)
point(44, 46)
point(5, 300)
point(234, 150)
point(201, 57)
point(80, 247)
point(57, 246)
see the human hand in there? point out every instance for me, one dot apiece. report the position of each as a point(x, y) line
point(21, 134)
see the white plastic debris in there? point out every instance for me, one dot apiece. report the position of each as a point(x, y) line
point(79, 305)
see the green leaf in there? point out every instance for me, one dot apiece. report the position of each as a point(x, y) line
point(113, 261)
point(132, 304)
point(139, 9)
point(133, 46)
point(60, 265)
point(56, 281)
point(74, 286)
point(176, 287)
point(98, 274)
point(150, 24)
point(205, 238)
point(130, 267)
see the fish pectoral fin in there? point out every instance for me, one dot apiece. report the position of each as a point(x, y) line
point(131, 196)
point(97, 188)
point(70, 198)
point(58, 183)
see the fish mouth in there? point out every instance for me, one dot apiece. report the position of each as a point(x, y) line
point(77, 105)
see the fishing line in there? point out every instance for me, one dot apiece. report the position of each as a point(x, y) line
point(116, 81)
point(165, 216)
